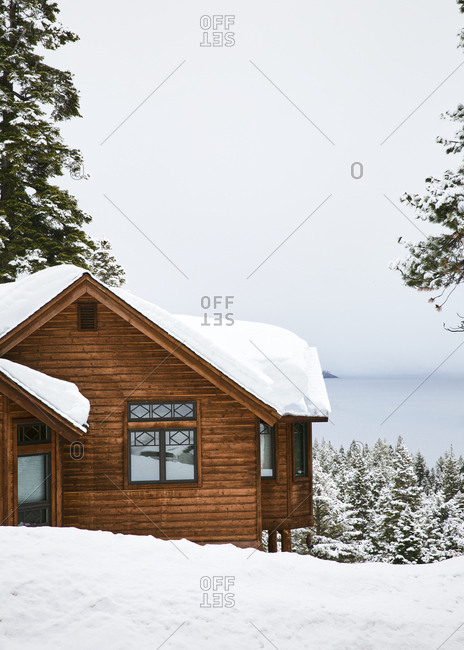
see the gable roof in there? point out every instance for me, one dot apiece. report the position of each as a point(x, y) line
point(270, 363)
point(60, 397)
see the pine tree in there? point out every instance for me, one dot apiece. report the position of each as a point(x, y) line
point(396, 531)
point(104, 266)
point(40, 224)
point(451, 479)
point(332, 534)
point(381, 464)
point(408, 545)
point(437, 263)
point(452, 515)
point(359, 490)
point(423, 474)
point(435, 515)
point(384, 505)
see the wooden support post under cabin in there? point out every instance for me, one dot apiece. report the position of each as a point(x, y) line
point(286, 538)
point(272, 542)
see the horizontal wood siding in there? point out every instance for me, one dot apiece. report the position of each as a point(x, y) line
point(286, 501)
point(117, 363)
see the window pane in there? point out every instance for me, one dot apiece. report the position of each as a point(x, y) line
point(145, 456)
point(180, 455)
point(161, 411)
point(184, 410)
point(139, 411)
point(300, 447)
point(267, 450)
point(32, 478)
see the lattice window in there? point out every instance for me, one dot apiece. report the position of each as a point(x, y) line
point(151, 411)
point(33, 433)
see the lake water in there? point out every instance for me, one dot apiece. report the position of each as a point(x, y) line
point(367, 408)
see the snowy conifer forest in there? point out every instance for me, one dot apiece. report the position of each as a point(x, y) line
point(383, 504)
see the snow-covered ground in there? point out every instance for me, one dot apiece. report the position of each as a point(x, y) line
point(72, 589)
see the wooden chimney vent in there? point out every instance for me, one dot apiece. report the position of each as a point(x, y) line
point(87, 316)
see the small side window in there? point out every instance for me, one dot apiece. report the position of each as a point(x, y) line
point(87, 316)
point(267, 446)
point(300, 448)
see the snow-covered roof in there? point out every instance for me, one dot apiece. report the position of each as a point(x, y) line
point(61, 396)
point(21, 299)
point(271, 363)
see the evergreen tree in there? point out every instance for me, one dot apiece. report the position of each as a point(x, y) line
point(396, 535)
point(40, 224)
point(332, 534)
point(434, 547)
point(104, 266)
point(408, 545)
point(359, 490)
point(451, 479)
point(384, 505)
point(437, 263)
point(453, 526)
point(423, 474)
point(381, 468)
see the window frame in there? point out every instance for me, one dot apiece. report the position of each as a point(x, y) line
point(162, 459)
point(306, 447)
point(272, 433)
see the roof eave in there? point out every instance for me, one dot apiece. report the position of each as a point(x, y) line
point(304, 418)
point(39, 409)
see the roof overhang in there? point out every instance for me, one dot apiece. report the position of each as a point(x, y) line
point(38, 409)
point(303, 418)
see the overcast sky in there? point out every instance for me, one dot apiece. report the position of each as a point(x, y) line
point(219, 164)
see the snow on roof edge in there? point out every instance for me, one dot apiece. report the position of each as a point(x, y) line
point(7, 369)
point(50, 292)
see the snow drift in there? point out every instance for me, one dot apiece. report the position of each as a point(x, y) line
point(74, 589)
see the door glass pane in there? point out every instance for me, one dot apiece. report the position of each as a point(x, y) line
point(32, 478)
point(180, 455)
point(145, 456)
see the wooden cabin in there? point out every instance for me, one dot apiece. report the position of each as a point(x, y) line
point(116, 415)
